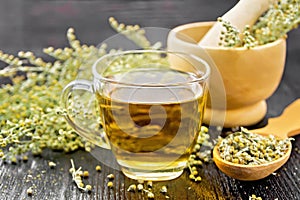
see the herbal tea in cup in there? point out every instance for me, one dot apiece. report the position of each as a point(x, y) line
point(150, 104)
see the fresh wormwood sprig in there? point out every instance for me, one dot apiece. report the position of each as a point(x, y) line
point(31, 118)
point(30, 104)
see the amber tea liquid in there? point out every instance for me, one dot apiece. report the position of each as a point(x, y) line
point(152, 129)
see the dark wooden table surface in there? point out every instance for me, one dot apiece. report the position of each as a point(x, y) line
point(33, 25)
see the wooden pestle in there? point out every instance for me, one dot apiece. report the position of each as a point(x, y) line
point(245, 12)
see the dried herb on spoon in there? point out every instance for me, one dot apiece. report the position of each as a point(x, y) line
point(247, 148)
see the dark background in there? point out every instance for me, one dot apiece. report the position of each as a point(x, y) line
point(33, 24)
point(36, 24)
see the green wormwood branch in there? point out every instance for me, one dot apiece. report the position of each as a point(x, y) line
point(30, 115)
point(272, 25)
point(29, 109)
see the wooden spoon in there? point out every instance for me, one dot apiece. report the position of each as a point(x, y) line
point(286, 125)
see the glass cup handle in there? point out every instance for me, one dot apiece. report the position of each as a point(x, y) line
point(78, 100)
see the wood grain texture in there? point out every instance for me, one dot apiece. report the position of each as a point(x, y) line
point(33, 25)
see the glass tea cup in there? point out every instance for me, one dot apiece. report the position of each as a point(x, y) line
point(146, 106)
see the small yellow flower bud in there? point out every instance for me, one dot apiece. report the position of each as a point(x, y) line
point(110, 176)
point(85, 174)
point(98, 168)
point(110, 184)
point(88, 188)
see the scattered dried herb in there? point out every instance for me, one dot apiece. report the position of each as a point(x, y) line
point(254, 197)
point(77, 178)
point(110, 176)
point(131, 188)
point(140, 187)
point(51, 164)
point(110, 184)
point(98, 168)
point(200, 156)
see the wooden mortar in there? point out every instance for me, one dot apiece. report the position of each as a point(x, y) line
point(249, 76)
